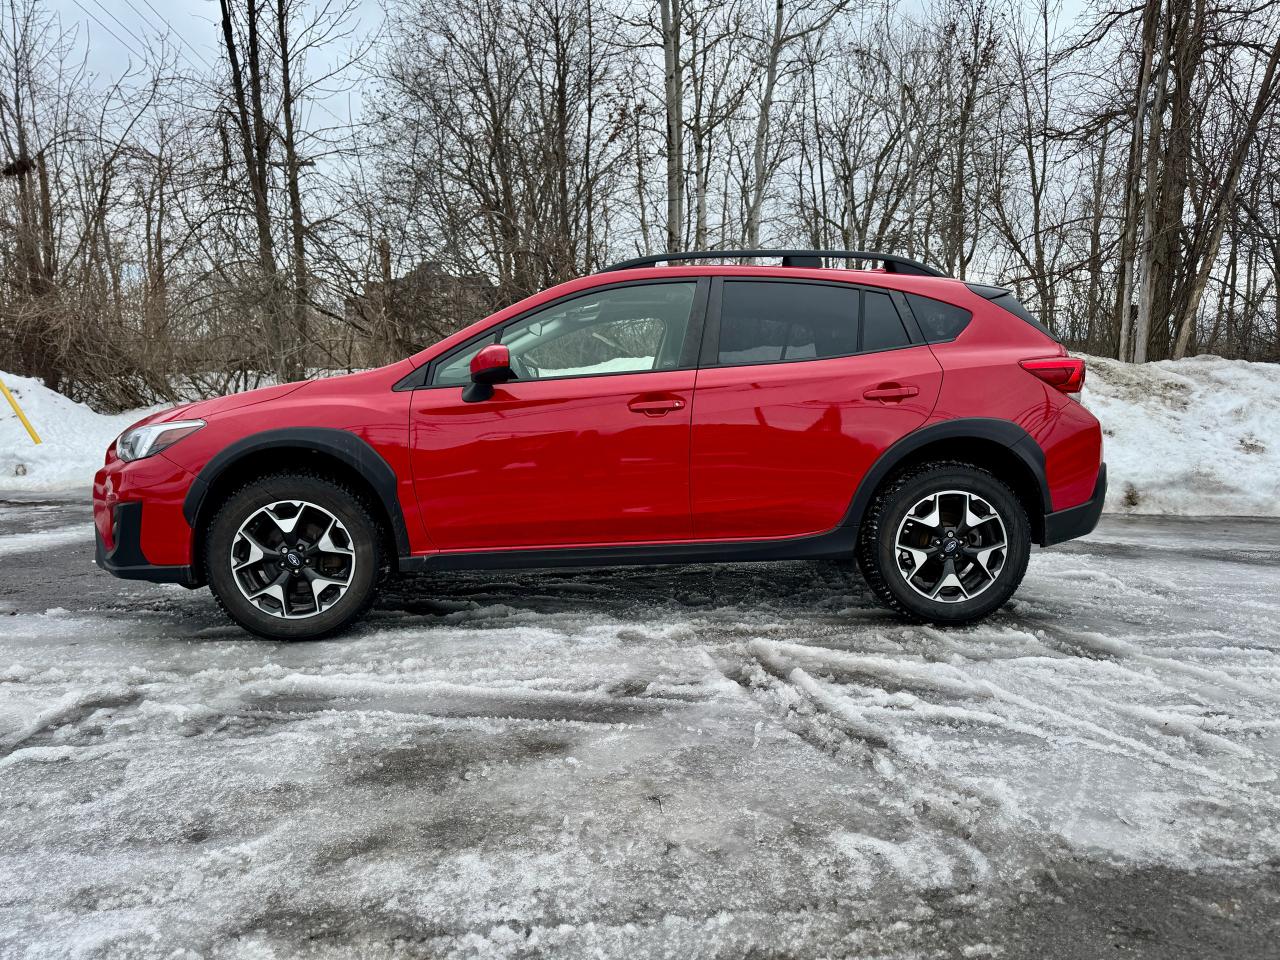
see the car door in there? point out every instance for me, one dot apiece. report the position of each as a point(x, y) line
point(803, 385)
point(589, 445)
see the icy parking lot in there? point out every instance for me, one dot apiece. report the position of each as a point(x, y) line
point(649, 762)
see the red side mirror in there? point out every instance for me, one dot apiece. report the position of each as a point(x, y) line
point(492, 365)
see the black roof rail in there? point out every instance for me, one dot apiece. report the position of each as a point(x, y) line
point(790, 258)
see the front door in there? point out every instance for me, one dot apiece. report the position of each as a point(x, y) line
point(804, 386)
point(589, 445)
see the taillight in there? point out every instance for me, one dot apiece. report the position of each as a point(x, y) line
point(1061, 373)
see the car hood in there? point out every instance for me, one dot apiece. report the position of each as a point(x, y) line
point(204, 409)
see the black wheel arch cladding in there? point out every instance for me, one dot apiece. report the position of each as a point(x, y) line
point(1017, 443)
point(345, 447)
point(357, 455)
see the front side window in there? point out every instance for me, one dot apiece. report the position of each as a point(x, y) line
point(618, 330)
point(456, 370)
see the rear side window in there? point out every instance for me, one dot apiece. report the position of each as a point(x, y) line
point(938, 321)
point(881, 326)
point(763, 322)
point(772, 322)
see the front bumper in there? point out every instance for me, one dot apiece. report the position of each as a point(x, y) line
point(126, 560)
point(1077, 521)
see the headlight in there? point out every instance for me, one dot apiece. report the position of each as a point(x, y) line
point(144, 441)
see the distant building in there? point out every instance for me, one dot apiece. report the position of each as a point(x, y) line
point(422, 306)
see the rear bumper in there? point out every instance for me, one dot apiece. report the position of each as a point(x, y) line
point(125, 558)
point(1078, 521)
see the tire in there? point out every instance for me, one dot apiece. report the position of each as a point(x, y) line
point(324, 586)
point(904, 546)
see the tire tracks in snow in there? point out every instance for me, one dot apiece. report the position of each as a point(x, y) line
point(1170, 674)
point(951, 827)
point(69, 709)
point(794, 663)
point(304, 693)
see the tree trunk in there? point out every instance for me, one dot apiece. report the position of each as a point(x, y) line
point(295, 363)
point(1146, 295)
point(1219, 210)
point(761, 142)
point(673, 88)
point(252, 130)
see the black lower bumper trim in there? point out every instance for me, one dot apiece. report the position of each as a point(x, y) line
point(1077, 521)
point(126, 559)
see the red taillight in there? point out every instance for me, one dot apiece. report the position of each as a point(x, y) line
point(1061, 373)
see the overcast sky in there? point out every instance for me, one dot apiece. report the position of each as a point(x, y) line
point(110, 30)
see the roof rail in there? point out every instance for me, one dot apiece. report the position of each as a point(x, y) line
point(790, 258)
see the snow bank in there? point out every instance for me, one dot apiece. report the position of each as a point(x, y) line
point(74, 439)
point(1199, 436)
point(1195, 436)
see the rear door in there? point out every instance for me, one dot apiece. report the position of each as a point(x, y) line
point(803, 384)
point(589, 445)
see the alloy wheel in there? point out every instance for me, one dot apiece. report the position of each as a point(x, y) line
point(951, 546)
point(293, 559)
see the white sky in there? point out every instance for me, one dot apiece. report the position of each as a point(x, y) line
point(110, 31)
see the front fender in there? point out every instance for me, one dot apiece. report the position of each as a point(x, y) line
point(341, 445)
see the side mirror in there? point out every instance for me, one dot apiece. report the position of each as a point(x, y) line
point(491, 365)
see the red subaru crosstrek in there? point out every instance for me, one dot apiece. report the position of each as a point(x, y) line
point(702, 413)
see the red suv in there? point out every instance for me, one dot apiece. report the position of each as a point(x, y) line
point(702, 413)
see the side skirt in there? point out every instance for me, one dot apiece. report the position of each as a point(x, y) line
point(835, 544)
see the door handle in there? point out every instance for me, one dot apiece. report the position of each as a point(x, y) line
point(655, 406)
point(891, 392)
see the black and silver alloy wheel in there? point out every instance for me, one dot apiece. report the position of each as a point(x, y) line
point(951, 546)
point(293, 559)
point(294, 556)
point(945, 542)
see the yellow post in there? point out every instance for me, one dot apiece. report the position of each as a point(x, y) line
point(35, 437)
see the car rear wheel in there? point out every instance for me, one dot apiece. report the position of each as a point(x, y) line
point(293, 556)
point(946, 543)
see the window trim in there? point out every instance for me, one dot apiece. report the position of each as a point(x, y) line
point(710, 353)
point(688, 350)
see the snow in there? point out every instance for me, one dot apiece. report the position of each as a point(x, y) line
point(701, 761)
point(74, 439)
point(1194, 436)
point(14, 543)
point(1190, 437)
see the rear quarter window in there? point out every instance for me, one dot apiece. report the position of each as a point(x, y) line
point(938, 321)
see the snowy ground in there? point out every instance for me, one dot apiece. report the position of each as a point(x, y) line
point(710, 761)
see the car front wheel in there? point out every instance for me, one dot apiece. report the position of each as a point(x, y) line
point(946, 543)
point(293, 556)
